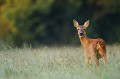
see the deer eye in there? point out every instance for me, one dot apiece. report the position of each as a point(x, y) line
point(77, 29)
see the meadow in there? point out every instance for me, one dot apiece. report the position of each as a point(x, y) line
point(61, 62)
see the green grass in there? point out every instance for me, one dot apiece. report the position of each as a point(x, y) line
point(56, 63)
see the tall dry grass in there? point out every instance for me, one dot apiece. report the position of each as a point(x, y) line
point(56, 63)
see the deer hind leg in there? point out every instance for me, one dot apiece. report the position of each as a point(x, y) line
point(96, 61)
point(94, 56)
point(103, 55)
point(104, 59)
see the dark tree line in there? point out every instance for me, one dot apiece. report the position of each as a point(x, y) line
point(39, 22)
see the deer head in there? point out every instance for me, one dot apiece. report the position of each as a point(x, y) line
point(81, 28)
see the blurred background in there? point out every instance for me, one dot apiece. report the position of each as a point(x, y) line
point(49, 22)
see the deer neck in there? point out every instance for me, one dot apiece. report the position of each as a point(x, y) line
point(84, 40)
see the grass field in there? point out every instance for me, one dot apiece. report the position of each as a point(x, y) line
point(56, 63)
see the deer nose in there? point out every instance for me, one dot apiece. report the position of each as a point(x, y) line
point(81, 34)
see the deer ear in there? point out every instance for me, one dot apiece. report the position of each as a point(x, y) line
point(86, 24)
point(75, 23)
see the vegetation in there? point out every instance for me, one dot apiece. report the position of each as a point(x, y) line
point(56, 63)
point(50, 22)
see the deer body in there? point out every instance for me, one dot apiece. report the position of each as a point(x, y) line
point(93, 48)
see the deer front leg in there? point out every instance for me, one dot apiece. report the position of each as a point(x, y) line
point(87, 62)
point(86, 56)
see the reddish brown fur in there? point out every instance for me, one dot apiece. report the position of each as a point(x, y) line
point(93, 48)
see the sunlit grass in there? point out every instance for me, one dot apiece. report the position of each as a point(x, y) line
point(56, 63)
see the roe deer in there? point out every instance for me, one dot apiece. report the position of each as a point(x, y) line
point(93, 48)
